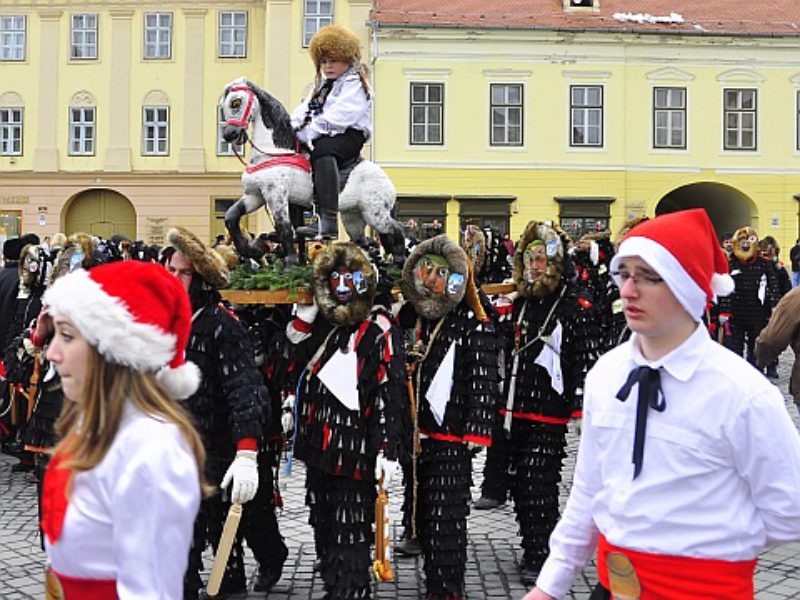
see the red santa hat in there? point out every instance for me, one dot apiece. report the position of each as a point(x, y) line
point(135, 314)
point(682, 247)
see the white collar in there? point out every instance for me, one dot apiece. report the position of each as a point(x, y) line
point(681, 362)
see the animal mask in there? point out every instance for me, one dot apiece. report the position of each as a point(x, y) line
point(745, 243)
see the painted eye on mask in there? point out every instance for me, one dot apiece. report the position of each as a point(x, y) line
point(359, 282)
point(752, 239)
point(455, 283)
point(335, 275)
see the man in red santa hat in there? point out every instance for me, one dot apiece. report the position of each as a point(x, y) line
point(689, 464)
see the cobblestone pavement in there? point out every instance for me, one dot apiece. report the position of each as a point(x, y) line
point(493, 552)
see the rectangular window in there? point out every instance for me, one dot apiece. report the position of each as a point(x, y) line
point(155, 128)
point(84, 37)
point(669, 117)
point(427, 112)
point(81, 131)
point(223, 147)
point(586, 115)
point(12, 37)
point(232, 34)
point(739, 118)
point(316, 14)
point(157, 35)
point(10, 131)
point(506, 114)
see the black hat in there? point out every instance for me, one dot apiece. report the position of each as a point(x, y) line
point(12, 249)
point(30, 238)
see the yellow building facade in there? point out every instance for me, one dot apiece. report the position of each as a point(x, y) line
point(490, 118)
point(109, 110)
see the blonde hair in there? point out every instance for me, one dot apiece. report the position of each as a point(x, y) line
point(87, 428)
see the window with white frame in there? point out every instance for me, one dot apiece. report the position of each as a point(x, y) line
point(506, 114)
point(10, 131)
point(81, 130)
point(316, 14)
point(739, 118)
point(155, 129)
point(232, 34)
point(12, 37)
point(83, 37)
point(223, 147)
point(586, 115)
point(427, 112)
point(158, 35)
point(669, 117)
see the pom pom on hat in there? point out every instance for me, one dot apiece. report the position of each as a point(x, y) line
point(682, 247)
point(135, 314)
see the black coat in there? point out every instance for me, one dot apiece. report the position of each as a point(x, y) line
point(9, 288)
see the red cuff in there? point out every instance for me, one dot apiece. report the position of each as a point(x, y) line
point(577, 414)
point(2, 369)
point(247, 444)
point(476, 439)
point(301, 325)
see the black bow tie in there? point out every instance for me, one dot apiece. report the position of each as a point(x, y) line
point(649, 381)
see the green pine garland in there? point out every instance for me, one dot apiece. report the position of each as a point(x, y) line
point(272, 277)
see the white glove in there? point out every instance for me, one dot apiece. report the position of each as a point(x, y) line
point(287, 418)
point(385, 467)
point(244, 474)
point(307, 312)
point(578, 426)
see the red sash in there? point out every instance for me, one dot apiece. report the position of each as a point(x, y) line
point(54, 497)
point(76, 588)
point(665, 577)
point(282, 160)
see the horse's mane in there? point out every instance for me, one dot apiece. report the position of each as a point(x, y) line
point(276, 118)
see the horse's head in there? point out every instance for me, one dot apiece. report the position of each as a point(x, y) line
point(239, 107)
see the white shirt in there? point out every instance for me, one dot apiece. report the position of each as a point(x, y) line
point(131, 517)
point(346, 106)
point(721, 471)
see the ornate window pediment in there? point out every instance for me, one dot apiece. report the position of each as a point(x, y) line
point(156, 98)
point(82, 98)
point(670, 74)
point(11, 100)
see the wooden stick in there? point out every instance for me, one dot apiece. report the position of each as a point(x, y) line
point(224, 549)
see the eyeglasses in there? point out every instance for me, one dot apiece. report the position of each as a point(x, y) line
point(646, 279)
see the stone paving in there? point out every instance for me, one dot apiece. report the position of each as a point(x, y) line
point(493, 553)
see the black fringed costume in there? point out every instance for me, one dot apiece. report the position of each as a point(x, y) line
point(338, 445)
point(540, 413)
point(443, 469)
point(226, 409)
point(748, 313)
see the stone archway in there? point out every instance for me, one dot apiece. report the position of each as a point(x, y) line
point(100, 212)
point(727, 207)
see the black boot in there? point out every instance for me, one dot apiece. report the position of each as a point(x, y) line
point(326, 192)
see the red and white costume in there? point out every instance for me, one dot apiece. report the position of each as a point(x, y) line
point(720, 477)
point(129, 520)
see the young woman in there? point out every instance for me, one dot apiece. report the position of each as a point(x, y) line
point(124, 483)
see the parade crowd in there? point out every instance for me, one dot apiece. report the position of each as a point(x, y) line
point(409, 377)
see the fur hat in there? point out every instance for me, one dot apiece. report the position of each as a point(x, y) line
point(626, 227)
point(34, 269)
point(557, 243)
point(335, 42)
point(206, 262)
point(474, 244)
point(337, 255)
point(437, 306)
point(135, 314)
point(682, 248)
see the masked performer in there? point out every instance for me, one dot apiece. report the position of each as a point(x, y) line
point(455, 382)
point(227, 407)
point(746, 311)
point(349, 419)
point(548, 351)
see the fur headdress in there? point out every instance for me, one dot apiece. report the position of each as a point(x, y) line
point(626, 227)
point(34, 269)
point(335, 42)
point(206, 262)
point(474, 244)
point(550, 234)
point(338, 255)
point(435, 307)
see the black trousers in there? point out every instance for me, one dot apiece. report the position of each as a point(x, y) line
point(343, 147)
point(495, 470)
point(744, 335)
point(342, 511)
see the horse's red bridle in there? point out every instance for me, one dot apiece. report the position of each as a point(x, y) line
point(247, 109)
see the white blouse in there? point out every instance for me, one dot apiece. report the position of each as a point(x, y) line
point(131, 517)
point(721, 469)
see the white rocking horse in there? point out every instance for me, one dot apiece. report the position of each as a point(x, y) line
point(278, 177)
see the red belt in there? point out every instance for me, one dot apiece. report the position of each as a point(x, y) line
point(665, 577)
point(64, 587)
